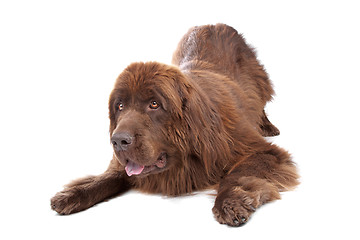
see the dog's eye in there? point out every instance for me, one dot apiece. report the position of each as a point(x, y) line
point(154, 105)
point(121, 106)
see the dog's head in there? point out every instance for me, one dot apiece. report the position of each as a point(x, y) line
point(145, 111)
point(159, 120)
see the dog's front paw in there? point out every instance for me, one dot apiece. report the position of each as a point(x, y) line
point(234, 211)
point(67, 201)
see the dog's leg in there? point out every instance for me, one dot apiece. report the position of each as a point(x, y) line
point(252, 183)
point(86, 192)
point(267, 128)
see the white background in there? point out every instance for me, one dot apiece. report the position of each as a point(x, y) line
point(58, 64)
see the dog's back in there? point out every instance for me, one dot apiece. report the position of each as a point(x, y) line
point(220, 49)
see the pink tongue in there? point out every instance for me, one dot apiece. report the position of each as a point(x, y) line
point(133, 168)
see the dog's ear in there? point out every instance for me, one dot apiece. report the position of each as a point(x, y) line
point(205, 129)
point(112, 112)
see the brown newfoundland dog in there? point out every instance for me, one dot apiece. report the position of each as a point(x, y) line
point(198, 124)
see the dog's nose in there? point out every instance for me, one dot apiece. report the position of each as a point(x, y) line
point(121, 141)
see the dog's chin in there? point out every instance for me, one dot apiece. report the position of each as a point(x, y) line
point(136, 169)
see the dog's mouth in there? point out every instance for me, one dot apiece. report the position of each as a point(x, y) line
point(133, 168)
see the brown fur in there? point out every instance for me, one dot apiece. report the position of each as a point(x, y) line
point(208, 129)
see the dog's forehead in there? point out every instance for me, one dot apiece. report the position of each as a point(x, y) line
point(140, 88)
point(143, 82)
point(150, 81)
